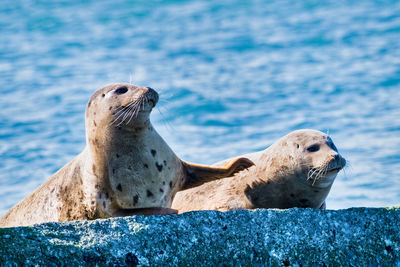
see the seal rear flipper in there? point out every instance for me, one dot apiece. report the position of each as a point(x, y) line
point(197, 174)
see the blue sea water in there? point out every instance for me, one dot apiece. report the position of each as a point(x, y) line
point(233, 77)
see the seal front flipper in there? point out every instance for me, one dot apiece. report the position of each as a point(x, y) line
point(197, 174)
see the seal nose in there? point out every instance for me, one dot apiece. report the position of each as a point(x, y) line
point(339, 160)
point(153, 95)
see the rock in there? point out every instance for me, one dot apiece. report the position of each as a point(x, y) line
point(357, 236)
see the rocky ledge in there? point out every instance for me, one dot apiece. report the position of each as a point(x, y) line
point(357, 236)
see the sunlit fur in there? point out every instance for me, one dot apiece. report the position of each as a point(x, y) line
point(285, 175)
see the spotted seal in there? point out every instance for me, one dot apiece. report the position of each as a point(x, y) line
point(296, 171)
point(126, 168)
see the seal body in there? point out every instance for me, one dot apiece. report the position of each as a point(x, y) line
point(296, 171)
point(126, 168)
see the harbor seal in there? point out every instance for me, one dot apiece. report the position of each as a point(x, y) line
point(126, 167)
point(296, 171)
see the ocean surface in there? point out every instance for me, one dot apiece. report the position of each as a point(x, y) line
point(233, 77)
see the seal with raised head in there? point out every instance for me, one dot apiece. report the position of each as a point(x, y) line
point(126, 168)
point(296, 171)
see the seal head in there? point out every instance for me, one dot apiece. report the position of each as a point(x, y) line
point(297, 171)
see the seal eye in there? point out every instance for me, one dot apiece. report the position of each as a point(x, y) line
point(121, 90)
point(313, 148)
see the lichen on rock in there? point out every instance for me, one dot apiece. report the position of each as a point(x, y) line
point(357, 236)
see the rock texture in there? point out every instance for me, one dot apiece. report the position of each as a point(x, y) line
point(357, 236)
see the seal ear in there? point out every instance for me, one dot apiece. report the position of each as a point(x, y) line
point(199, 174)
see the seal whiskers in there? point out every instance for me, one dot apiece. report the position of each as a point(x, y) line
point(316, 173)
point(136, 108)
point(129, 110)
point(121, 111)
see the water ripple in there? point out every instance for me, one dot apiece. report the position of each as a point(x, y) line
point(233, 77)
